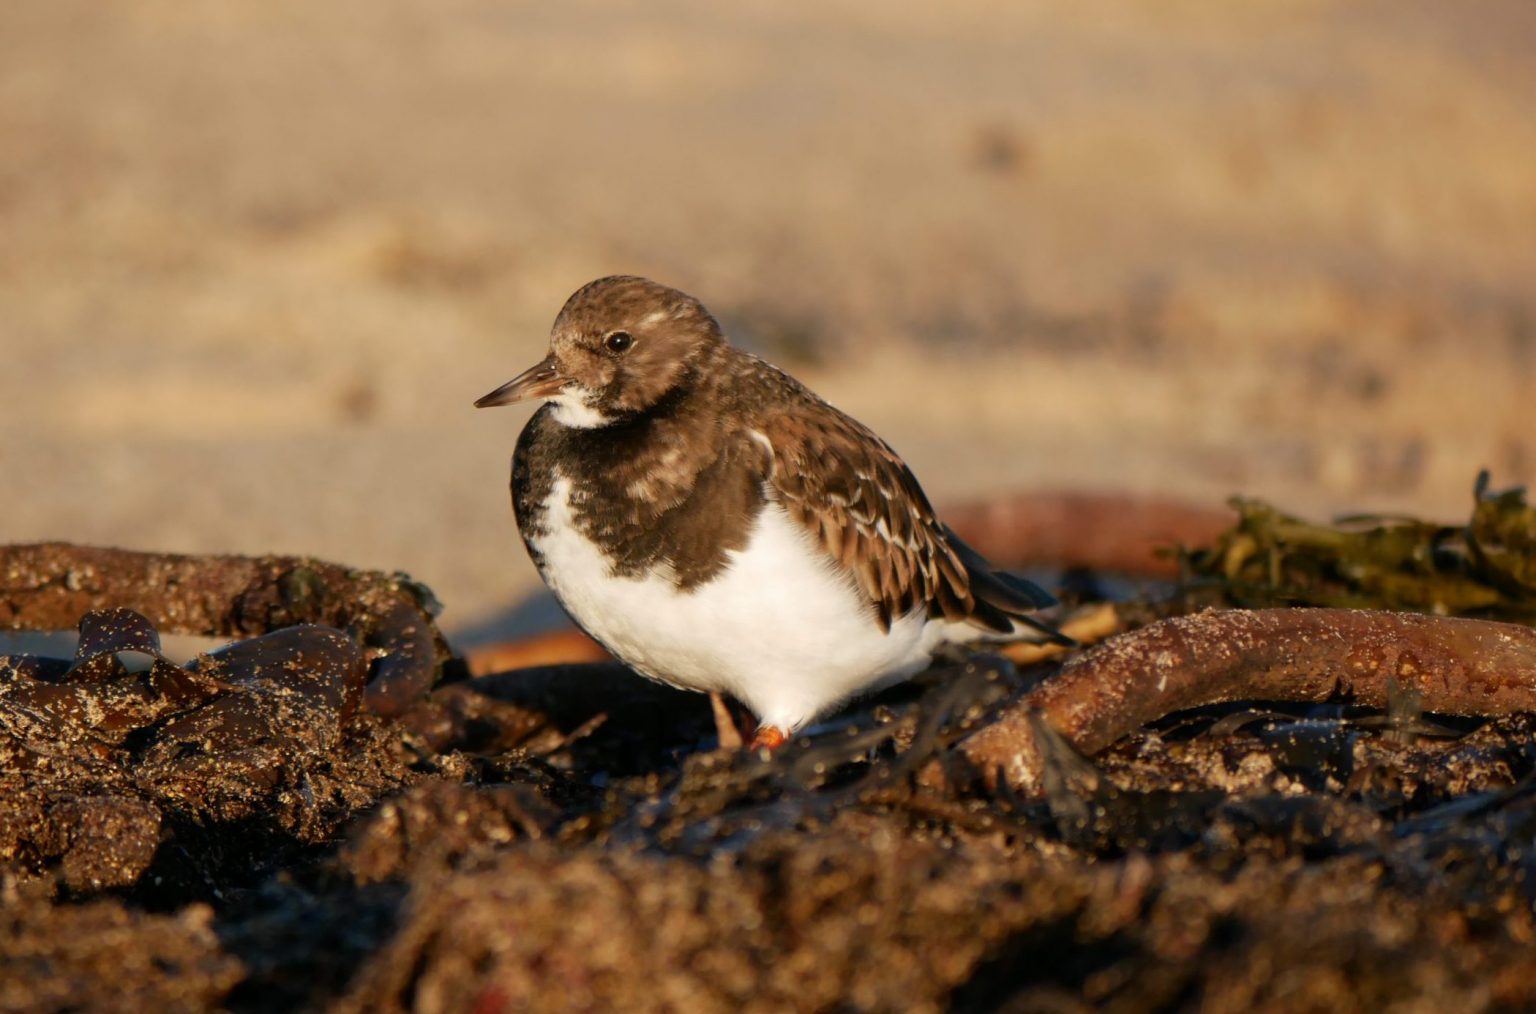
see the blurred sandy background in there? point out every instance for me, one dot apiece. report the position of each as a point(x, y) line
point(258, 257)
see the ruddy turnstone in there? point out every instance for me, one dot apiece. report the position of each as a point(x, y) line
point(718, 527)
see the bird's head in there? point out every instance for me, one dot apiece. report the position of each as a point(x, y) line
point(620, 345)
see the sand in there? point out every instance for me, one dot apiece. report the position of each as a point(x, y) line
point(257, 259)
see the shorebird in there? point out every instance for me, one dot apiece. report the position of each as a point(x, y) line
point(718, 527)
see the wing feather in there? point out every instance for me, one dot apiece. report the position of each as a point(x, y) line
point(861, 503)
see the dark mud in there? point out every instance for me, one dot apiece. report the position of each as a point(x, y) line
point(266, 830)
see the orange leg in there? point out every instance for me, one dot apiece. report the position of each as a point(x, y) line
point(725, 723)
point(769, 737)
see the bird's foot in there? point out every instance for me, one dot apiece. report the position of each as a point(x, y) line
point(768, 737)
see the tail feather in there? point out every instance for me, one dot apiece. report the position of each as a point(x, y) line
point(1005, 602)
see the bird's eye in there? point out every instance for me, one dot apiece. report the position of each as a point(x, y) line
point(618, 341)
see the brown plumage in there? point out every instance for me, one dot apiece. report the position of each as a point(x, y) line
point(673, 443)
point(857, 498)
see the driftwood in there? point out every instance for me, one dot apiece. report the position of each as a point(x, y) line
point(1454, 666)
point(51, 585)
point(1105, 532)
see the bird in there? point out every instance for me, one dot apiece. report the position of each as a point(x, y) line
point(718, 527)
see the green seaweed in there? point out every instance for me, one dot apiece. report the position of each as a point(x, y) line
point(1485, 568)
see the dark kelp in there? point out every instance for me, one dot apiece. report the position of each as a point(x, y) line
point(51, 585)
point(563, 837)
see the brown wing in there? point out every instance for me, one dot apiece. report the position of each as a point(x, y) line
point(857, 498)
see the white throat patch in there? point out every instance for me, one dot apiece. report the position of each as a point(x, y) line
point(573, 408)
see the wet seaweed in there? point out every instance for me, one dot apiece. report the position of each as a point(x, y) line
point(1483, 568)
point(252, 832)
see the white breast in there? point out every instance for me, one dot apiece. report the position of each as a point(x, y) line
point(779, 629)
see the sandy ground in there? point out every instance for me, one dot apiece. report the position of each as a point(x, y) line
point(257, 259)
